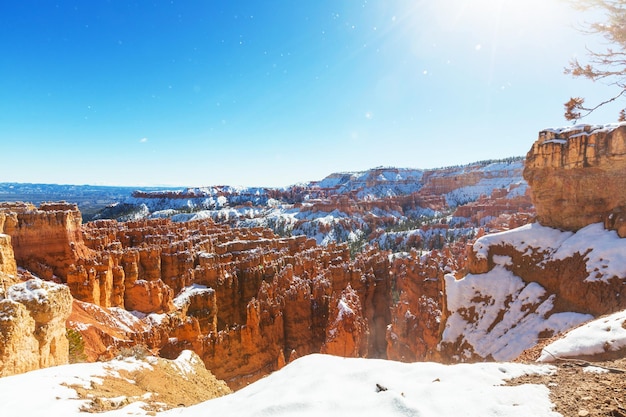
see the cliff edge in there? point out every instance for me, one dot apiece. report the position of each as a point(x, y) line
point(576, 177)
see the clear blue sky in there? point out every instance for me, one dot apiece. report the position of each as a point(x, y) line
point(274, 92)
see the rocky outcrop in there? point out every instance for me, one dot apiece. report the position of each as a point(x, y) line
point(7, 257)
point(418, 312)
point(531, 283)
point(577, 177)
point(32, 326)
point(347, 332)
point(45, 240)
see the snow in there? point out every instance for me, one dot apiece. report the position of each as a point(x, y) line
point(184, 297)
point(559, 141)
point(344, 310)
point(585, 127)
point(315, 385)
point(47, 392)
point(606, 334)
point(185, 362)
point(524, 239)
point(602, 249)
point(34, 289)
point(508, 314)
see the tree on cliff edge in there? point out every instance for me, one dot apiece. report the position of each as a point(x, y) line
point(607, 65)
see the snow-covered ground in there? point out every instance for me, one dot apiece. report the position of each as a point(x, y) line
point(313, 385)
point(504, 325)
point(606, 334)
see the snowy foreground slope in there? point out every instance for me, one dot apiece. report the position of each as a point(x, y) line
point(317, 385)
point(327, 385)
point(313, 385)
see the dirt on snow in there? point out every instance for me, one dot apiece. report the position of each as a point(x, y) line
point(160, 387)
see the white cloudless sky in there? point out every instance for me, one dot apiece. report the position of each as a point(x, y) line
point(273, 93)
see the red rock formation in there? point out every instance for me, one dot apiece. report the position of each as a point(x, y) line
point(577, 176)
point(499, 204)
point(347, 332)
point(243, 299)
point(45, 240)
point(419, 314)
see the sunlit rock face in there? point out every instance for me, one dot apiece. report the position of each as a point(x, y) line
point(418, 310)
point(7, 257)
point(32, 326)
point(46, 240)
point(577, 177)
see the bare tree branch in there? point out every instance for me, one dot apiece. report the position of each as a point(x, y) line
point(575, 105)
point(608, 65)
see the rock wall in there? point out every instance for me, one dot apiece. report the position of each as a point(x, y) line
point(418, 314)
point(32, 326)
point(577, 177)
point(8, 266)
point(45, 240)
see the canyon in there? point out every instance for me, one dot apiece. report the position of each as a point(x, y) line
point(245, 300)
point(408, 265)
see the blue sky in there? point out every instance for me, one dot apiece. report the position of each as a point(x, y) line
point(271, 93)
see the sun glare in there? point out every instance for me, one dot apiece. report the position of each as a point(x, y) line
point(532, 17)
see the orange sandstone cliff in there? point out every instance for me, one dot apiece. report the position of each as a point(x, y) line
point(577, 176)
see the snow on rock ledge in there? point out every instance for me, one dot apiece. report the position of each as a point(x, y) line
point(528, 283)
point(32, 326)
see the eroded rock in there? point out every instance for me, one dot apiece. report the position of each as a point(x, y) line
point(32, 326)
point(577, 176)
